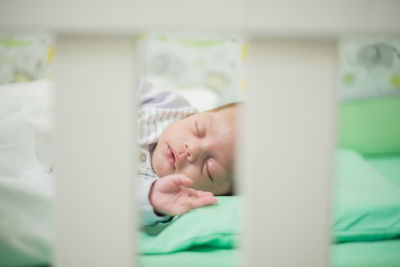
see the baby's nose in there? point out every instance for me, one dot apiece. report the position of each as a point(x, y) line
point(191, 152)
point(183, 152)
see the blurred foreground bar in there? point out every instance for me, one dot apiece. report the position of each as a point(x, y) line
point(95, 166)
point(289, 145)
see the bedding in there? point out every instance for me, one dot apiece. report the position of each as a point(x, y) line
point(26, 56)
point(26, 190)
point(26, 235)
point(357, 254)
point(387, 165)
point(366, 204)
point(213, 226)
point(208, 257)
point(371, 127)
point(366, 254)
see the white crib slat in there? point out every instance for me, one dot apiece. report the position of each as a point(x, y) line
point(94, 168)
point(289, 141)
point(258, 17)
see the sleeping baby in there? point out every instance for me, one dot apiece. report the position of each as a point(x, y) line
point(185, 157)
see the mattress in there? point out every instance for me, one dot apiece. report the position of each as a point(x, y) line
point(195, 258)
point(366, 254)
point(387, 165)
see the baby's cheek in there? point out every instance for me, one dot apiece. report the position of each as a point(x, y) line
point(199, 184)
point(158, 166)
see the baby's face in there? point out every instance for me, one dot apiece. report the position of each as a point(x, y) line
point(202, 147)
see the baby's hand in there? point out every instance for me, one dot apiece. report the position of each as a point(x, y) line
point(171, 195)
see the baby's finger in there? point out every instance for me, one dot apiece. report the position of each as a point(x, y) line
point(198, 193)
point(183, 180)
point(202, 201)
point(191, 192)
point(204, 193)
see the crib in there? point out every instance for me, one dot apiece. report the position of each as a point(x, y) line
point(292, 58)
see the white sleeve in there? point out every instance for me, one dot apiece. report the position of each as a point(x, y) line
point(146, 211)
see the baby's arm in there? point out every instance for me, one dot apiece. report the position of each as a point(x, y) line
point(171, 195)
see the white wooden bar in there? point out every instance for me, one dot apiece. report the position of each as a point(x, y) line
point(288, 147)
point(303, 18)
point(95, 167)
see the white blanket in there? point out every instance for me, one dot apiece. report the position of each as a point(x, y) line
point(26, 182)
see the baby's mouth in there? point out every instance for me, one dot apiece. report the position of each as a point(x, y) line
point(171, 157)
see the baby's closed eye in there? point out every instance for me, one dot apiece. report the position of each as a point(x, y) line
point(207, 164)
point(199, 129)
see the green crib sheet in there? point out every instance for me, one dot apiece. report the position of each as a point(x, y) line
point(387, 165)
point(366, 254)
point(206, 257)
point(366, 203)
point(359, 254)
